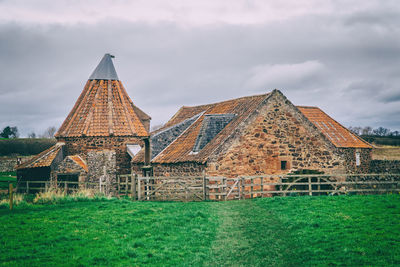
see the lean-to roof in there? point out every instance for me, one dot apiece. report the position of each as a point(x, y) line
point(334, 131)
point(43, 159)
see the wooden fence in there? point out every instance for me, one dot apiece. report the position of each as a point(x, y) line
point(197, 188)
point(222, 188)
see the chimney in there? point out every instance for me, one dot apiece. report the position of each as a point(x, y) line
point(147, 151)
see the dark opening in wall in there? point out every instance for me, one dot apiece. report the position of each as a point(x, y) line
point(69, 177)
point(283, 165)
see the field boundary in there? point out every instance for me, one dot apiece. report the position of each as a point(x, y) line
point(198, 188)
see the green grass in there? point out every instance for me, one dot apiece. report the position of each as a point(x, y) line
point(291, 231)
point(7, 176)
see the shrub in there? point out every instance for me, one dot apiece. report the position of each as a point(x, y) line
point(18, 200)
point(24, 146)
point(55, 196)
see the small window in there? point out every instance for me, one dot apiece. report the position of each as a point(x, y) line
point(283, 165)
point(358, 161)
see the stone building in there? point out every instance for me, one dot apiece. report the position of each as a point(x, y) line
point(262, 134)
point(99, 136)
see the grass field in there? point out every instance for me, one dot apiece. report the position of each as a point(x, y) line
point(291, 231)
point(386, 152)
point(7, 176)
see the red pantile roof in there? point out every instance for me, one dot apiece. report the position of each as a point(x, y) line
point(181, 149)
point(334, 131)
point(78, 160)
point(103, 109)
point(43, 159)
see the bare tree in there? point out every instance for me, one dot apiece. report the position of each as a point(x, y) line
point(367, 130)
point(357, 130)
point(381, 131)
point(32, 135)
point(49, 132)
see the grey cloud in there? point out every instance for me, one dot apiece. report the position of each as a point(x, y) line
point(164, 66)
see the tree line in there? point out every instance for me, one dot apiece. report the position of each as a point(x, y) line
point(380, 131)
point(12, 132)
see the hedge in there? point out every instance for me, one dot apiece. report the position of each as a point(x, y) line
point(382, 140)
point(24, 146)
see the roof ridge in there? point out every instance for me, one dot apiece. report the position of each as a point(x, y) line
point(308, 107)
point(224, 101)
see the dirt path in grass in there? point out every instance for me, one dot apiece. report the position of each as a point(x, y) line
point(248, 234)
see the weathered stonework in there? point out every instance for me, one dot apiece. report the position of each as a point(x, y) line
point(349, 154)
point(7, 164)
point(385, 166)
point(102, 168)
point(277, 132)
point(81, 145)
point(68, 166)
point(173, 169)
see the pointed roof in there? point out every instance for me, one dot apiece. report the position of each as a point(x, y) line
point(105, 70)
point(104, 108)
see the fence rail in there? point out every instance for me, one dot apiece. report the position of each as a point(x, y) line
point(197, 188)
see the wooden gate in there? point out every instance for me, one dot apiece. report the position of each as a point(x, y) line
point(171, 188)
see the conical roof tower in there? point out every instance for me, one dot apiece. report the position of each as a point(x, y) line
point(104, 108)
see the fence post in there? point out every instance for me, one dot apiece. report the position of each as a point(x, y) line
point(138, 185)
point(126, 185)
point(224, 185)
point(309, 186)
point(204, 187)
point(27, 187)
point(239, 184)
point(66, 187)
point(10, 188)
point(243, 187)
point(133, 186)
point(119, 184)
point(251, 188)
point(262, 186)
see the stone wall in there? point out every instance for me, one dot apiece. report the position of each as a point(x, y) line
point(277, 135)
point(349, 155)
point(173, 169)
point(7, 164)
point(81, 145)
point(385, 166)
point(69, 166)
point(102, 168)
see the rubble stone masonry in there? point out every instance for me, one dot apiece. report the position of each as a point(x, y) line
point(276, 140)
point(102, 168)
point(173, 169)
point(82, 145)
point(69, 166)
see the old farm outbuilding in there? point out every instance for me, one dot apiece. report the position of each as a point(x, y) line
point(254, 135)
point(99, 136)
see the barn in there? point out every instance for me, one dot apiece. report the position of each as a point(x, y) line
point(254, 135)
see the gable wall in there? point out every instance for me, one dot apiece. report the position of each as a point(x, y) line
point(278, 131)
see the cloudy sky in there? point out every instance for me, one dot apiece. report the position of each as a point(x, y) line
point(342, 56)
